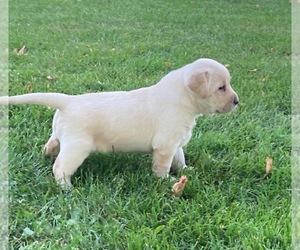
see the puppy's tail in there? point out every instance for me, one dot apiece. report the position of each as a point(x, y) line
point(53, 100)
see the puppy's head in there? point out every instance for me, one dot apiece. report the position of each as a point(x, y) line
point(209, 84)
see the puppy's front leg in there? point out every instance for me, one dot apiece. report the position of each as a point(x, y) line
point(162, 161)
point(178, 160)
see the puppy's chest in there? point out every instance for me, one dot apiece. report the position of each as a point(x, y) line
point(186, 138)
point(187, 134)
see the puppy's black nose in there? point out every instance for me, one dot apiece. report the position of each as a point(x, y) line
point(236, 101)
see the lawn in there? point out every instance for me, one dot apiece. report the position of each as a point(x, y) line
point(87, 46)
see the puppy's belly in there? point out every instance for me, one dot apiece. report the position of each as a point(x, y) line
point(127, 148)
point(123, 144)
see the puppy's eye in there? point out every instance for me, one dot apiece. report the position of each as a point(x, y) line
point(223, 88)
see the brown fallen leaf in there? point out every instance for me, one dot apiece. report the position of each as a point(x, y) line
point(269, 162)
point(179, 186)
point(29, 88)
point(22, 51)
point(168, 64)
point(50, 78)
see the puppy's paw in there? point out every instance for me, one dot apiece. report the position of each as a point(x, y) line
point(63, 180)
point(160, 172)
point(188, 168)
point(65, 184)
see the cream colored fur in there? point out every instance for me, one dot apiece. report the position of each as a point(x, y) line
point(157, 119)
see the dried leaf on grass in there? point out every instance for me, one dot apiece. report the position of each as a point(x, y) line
point(269, 162)
point(50, 78)
point(21, 51)
point(179, 186)
point(168, 64)
point(29, 88)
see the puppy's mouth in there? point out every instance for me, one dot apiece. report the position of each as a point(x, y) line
point(222, 112)
point(226, 110)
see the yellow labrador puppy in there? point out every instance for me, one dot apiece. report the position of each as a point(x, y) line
point(158, 119)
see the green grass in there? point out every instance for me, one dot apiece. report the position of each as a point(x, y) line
point(89, 46)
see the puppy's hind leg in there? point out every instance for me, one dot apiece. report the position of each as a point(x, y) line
point(52, 147)
point(70, 157)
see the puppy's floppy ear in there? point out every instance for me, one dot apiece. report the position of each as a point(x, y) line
point(197, 82)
